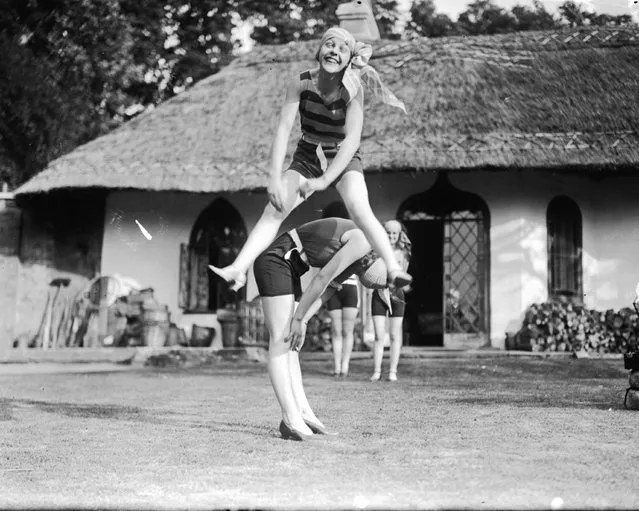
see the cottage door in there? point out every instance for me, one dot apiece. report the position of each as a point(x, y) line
point(448, 304)
point(424, 305)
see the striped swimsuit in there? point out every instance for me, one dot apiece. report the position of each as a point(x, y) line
point(322, 124)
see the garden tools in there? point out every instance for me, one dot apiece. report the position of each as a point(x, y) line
point(45, 334)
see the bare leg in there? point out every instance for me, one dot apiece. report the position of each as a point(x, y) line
point(352, 188)
point(263, 233)
point(336, 338)
point(349, 315)
point(298, 388)
point(396, 339)
point(379, 323)
point(277, 315)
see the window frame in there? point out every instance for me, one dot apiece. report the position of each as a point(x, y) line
point(563, 215)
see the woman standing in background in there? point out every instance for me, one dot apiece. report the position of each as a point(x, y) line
point(379, 311)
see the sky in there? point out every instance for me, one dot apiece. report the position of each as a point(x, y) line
point(453, 7)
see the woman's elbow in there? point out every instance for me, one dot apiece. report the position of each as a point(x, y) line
point(352, 141)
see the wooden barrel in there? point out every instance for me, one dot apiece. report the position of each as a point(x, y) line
point(631, 402)
point(202, 336)
point(155, 334)
point(156, 314)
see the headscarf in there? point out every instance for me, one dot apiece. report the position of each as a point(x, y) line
point(358, 70)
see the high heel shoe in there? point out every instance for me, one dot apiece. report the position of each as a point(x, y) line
point(230, 274)
point(318, 429)
point(289, 433)
point(399, 278)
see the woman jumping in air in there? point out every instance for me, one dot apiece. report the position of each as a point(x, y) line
point(338, 249)
point(330, 100)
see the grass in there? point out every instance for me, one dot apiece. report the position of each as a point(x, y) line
point(462, 433)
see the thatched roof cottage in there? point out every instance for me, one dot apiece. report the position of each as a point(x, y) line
point(515, 171)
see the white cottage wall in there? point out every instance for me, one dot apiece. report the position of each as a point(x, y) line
point(169, 218)
point(614, 270)
point(517, 202)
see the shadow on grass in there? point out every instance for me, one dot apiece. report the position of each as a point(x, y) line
point(603, 401)
point(127, 413)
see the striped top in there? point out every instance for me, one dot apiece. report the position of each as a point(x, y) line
point(321, 123)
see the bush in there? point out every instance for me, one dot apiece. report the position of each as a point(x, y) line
point(564, 326)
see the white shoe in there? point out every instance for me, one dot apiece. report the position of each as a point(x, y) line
point(392, 376)
point(376, 377)
point(231, 275)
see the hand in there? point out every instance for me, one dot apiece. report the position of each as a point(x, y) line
point(275, 192)
point(311, 185)
point(297, 334)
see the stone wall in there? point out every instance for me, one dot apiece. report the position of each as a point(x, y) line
point(61, 238)
point(10, 217)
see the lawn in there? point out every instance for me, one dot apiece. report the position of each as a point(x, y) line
point(452, 433)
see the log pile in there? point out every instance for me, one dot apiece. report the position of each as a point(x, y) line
point(564, 326)
point(631, 361)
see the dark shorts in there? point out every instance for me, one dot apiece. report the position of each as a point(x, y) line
point(306, 162)
point(397, 301)
point(345, 297)
point(277, 275)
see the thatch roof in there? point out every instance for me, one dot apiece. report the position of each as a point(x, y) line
point(535, 100)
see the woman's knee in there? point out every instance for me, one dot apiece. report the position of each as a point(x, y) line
point(395, 337)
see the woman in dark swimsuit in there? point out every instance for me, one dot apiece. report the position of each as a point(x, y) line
point(339, 249)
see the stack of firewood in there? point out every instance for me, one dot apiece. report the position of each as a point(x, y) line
point(564, 326)
point(631, 361)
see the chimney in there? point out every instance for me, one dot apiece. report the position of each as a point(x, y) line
point(357, 17)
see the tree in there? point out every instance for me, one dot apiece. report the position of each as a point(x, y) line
point(484, 17)
point(623, 19)
point(64, 69)
point(537, 18)
point(387, 17)
point(425, 21)
point(574, 13)
point(290, 20)
point(287, 20)
point(74, 69)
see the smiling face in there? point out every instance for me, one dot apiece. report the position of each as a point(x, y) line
point(393, 229)
point(334, 55)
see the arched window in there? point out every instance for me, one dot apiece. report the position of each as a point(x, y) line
point(564, 227)
point(216, 238)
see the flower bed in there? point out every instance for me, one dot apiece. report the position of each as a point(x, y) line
point(564, 326)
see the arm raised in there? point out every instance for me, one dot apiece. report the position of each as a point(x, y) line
point(288, 113)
